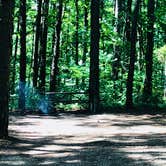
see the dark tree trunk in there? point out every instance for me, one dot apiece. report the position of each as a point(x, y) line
point(149, 51)
point(94, 57)
point(56, 53)
point(6, 10)
point(129, 88)
point(127, 35)
point(43, 47)
point(22, 55)
point(37, 41)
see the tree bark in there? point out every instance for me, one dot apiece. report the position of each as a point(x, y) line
point(85, 41)
point(43, 47)
point(6, 11)
point(37, 41)
point(85, 46)
point(22, 82)
point(164, 74)
point(15, 59)
point(118, 30)
point(130, 78)
point(149, 51)
point(128, 21)
point(31, 59)
point(94, 57)
point(77, 38)
point(56, 53)
point(76, 33)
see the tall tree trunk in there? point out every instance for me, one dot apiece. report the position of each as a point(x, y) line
point(94, 57)
point(141, 47)
point(76, 33)
point(85, 42)
point(43, 47)
point(149, 51)
point(22, 55)
point(67, 48)
point(56, 53)
point(6, 11)
point(15, 59)
point(85, 46)
point(119, 25)
point(127, 34)
point(30, 76)
point(164, 74)
point(54, 32)
point(102, 13)
point(130, 78)
point(118, 30)
point(37, 41)
point(128, 22)
point(77, 38)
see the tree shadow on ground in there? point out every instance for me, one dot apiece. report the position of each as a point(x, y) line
point(95, 153)
point(127, 120)
point(113, 149)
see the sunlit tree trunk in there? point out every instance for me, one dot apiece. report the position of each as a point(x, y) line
point(15, 59)
point(85, 45)
point(118, 29)
point(164, 73)
point(127, 34)
point(36, 46)
point(22, 55)
point(6, 10)
point(94, 57)
point(54, 6)
point(85, 38)
point(141, 47)
point(102, 36)
point(128, 22)
point(77, 37)
point(118, 47)
point(149, 51)
point(56, 52)
point(130, 78)
point(30, 70)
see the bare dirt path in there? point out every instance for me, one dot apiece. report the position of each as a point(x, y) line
point(79, 140)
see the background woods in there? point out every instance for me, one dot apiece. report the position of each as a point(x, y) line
point(75, 54)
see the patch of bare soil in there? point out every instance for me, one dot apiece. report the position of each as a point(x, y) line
point(85, 140)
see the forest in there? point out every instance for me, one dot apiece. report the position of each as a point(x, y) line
point(77, 55)
point(88, 56)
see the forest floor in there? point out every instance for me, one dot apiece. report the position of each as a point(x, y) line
point(85, 140)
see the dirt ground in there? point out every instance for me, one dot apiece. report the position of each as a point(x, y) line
point(85, 140)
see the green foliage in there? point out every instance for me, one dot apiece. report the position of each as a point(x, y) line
point(112, 91)
point(161, 54)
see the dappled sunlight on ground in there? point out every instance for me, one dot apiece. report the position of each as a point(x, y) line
point(92, 140)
